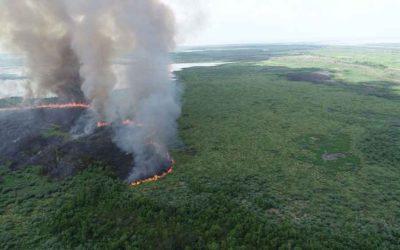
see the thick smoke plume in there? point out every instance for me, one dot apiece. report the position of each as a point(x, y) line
point(41, 30)
point(71, 48)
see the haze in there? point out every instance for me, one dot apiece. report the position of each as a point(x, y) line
point(204, 22)
point(259, 21)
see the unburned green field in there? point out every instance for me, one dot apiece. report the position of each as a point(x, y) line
point(277, 154)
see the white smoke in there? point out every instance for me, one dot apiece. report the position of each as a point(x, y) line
point(191, 17)
point(70, 46)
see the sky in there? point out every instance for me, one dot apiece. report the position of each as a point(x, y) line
point(207, 22)
point(264, 21)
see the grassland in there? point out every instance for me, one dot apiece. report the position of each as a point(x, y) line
point(270, 161)
point(239, 53)
point(350, 64)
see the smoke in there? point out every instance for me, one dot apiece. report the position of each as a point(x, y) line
point(71, 46)
point(41, 31)
point(191, 17)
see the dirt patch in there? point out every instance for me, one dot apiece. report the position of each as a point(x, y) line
point(333, 157)
point(273, 211)
point(191, 151)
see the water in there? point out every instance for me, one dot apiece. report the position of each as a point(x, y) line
point(175, 67)
point(14, 81)
point(12, 76)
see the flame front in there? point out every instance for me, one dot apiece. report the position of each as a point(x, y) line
point(125, 123)
point(157, 177)
point(63, 106)
point(154, 178)
point(103, 124)
point(100, 124)
point(50, 106)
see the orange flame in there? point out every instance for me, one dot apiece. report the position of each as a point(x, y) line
point(156, 177)
point(99, 125)
point(128, 122)
point(64, 106)
point(152, 179)
point(125, 122)
point(103, 124)
point(49, 106)
point(77, 105)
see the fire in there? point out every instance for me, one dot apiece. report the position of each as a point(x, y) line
point(63, 106)
point(71, 105)
point(129, 122)
point(100, 124)
point(50, 106)
point(103, 124)
point(124, 122)
point(154, 178)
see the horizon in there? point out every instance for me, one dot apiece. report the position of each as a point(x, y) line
point(180, 47)
point(211, 23)
point(291, 21)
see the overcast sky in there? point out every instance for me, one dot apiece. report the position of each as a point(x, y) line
point(256, 21)
point(249, 21)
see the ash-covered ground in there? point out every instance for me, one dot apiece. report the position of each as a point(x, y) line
point(41, 137)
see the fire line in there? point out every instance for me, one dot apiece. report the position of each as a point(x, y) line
point(49, 106)
point(152, 179)
point(100, 124)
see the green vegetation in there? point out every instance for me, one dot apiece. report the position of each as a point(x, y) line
point(239, 53)
point(268, 162)
point(10, 102)
point(352, 65)
point(56, 131)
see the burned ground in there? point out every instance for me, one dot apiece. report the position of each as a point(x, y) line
point(40, 137)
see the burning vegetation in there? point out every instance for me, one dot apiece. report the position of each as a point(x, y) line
point(70, 48)
point(40, 135)
point(72, 105)
point(154, 178)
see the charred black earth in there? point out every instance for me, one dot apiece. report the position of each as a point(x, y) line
point(40, 137)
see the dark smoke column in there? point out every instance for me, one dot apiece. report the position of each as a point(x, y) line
point(71, 47)
point(152, 98)
point(142, 32)
point(41, 32)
